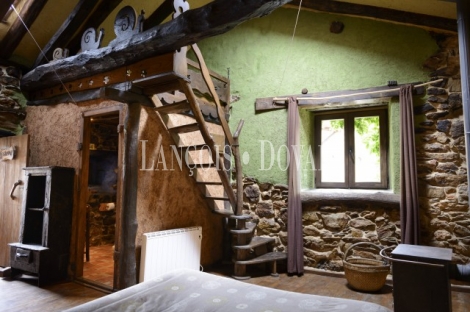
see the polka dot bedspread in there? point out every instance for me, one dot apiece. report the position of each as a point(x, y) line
point(189, 290)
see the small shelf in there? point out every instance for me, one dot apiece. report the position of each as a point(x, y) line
point(36, 209)
point(96, 151)
point(45, 231)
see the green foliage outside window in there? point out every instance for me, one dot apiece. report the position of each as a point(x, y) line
point(368, 128)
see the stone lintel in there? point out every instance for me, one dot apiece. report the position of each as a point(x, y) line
point(338, 196)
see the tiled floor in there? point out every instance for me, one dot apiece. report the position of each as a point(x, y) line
point(100, 268)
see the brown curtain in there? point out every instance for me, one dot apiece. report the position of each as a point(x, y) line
point(409, 206)
point(295, 251)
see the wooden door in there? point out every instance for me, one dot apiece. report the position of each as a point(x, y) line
point(11, 174)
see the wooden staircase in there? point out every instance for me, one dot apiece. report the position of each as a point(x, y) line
point(200, 143)
point(207, 147)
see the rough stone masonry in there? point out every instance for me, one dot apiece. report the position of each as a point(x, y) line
point(12, 102)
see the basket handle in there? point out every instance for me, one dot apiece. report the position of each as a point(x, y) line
point(359, 244)
point(384, 255)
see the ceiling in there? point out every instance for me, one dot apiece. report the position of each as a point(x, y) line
point(59, 23)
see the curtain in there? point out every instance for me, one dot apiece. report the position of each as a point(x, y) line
point(409, 206)
point(295, 251)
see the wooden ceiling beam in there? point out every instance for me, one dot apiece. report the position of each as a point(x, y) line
point(385, 14)
point(4, 7)
point(216, 17)
point(94, 19)
point(159, 15)
point(68, 28)
point(15, 34)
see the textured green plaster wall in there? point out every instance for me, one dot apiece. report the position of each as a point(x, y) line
point(265, 61)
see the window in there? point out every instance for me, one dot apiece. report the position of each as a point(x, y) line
point(351, 149)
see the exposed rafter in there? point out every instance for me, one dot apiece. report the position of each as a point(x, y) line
point(214, 18)
point(70, 25)
point(159, 15)
point(69, 34)
point(4, 6)
point(385, 14)
point(12, 39)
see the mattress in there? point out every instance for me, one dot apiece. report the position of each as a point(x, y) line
point(189, 290)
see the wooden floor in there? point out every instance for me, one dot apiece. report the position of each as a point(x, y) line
point(24, 295)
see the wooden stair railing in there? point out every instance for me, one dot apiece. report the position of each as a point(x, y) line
point(224, 178)
point(215, 190)
point(185, 122)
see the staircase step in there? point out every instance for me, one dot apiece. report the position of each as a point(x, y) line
point(185, 128)
point(175, 108)
point(183, 140)
point(267, 257)
point(255, 242)
point(197, 147)
point(219, 205)
point(208, 175)
point(250, 227)
point(225, 212)
point(5, 271)
point(241, 217)
point(210, 183)
point(205, 166)
point(216, 198)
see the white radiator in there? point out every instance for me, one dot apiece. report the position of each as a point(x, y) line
point(164, 251)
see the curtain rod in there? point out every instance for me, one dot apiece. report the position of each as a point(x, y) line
point(283, 99)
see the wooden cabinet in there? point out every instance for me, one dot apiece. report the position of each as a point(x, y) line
point(421, 278)
point(45, 230)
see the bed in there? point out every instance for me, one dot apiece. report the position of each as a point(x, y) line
point(189, 290)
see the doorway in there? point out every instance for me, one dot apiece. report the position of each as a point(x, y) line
point(99, 198)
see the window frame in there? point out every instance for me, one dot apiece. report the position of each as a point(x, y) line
point(349, 173)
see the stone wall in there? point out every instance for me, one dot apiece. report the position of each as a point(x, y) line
point(101, 218)
point(12, 102)
point(441, 158)
point(330, 224)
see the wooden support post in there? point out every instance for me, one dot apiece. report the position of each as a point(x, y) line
point(240, 272)
point(274, 269)
point(126, 275)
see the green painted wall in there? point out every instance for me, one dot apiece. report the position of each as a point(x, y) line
point(265, 61)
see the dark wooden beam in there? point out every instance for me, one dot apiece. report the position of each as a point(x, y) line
point(159, 15)
point(68, 28)
point(214, 18)
point(325, 99)
point(385, 14)
point(104, 93)
point(95, 19)
point(4, 6)
point(125, 251)
point(12, 39)
point(159, 71)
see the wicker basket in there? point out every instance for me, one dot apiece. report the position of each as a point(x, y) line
point(365, 274)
